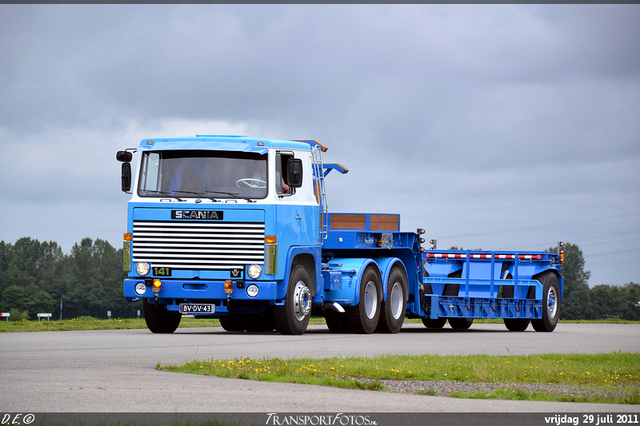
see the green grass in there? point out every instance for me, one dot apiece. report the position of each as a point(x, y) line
point(90, 323)
point(619, 371)
point(630, 397)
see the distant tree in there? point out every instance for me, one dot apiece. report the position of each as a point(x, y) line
point(28, 299)
point(631, 301)
point(95, 283)
point(605, 302)
point(576, 302)
point(36, 277)
point(51, 266)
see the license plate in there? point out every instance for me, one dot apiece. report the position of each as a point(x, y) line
point(197, 308)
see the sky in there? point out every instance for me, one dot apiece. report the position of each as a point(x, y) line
point(499, 127)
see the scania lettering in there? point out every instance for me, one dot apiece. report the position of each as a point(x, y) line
point(238, 228)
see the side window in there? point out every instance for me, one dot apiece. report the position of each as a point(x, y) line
point(282, 186)
point(150, 172)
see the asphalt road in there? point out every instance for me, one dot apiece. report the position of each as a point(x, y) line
point(114, 371)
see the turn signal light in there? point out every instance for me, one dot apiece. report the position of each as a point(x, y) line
point(156, 285)
point(270, 239)
point(128, 236)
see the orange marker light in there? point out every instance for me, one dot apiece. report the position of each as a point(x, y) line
point(128, 236)
point(270, 239)
point(228, 286)
point(156, 285)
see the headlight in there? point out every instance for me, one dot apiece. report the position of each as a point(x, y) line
point(252, 290)
point(142, 268)
point(140, 289)
point(254, 271)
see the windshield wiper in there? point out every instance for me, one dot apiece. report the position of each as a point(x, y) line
point(232, 194)
point(166, 194)
point(198, 194)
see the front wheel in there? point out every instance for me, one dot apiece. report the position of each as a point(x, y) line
point(293, 316)
point(550, 303)
point(364, 317)
point(231, 324)
point(257, 323)
point(394, 308)
point(159, 319)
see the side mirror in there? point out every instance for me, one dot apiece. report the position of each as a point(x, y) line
point(126, 177)
point(124, 156)
point(294, 172)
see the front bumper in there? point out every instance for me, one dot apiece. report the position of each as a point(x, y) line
point(200, 290)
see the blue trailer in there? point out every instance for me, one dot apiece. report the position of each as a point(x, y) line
point(237, 228)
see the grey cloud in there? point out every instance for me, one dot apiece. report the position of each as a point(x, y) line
point(468, 110)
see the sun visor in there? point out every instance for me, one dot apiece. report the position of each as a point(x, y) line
point(200, 145)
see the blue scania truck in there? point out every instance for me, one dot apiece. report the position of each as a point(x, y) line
point(237, 228)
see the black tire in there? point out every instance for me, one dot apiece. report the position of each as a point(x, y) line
point(364, 317)
point(393, 309)
point(550, 302)
point(159, 319)
point(257, 323)
point(516, 324)
point(336, 321)
point(293, 316)
point(460, 323)
point(434, 323)
point(231, 324)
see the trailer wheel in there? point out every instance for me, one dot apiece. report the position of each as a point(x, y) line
point(460, 323)
point(159, 319)
point(293, 316)
point(516, 324)
point(364, 317)
point(550, 303)
point(394, 308)
point(336, 321)
point(434, 323)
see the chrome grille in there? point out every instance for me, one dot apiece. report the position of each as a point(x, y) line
point(198, 245)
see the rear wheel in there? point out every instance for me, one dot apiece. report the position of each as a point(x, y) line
point(394, 308)
point(550, 303)
point(460, 323)
point(363, 318)
point(516, 324)
point(293, 316)
point(159, 319)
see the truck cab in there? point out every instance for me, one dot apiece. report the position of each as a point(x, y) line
point(217, 223)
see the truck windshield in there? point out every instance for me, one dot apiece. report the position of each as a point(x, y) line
point(210, 174)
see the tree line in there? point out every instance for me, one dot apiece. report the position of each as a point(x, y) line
point(38, 277)
point(602, 301)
